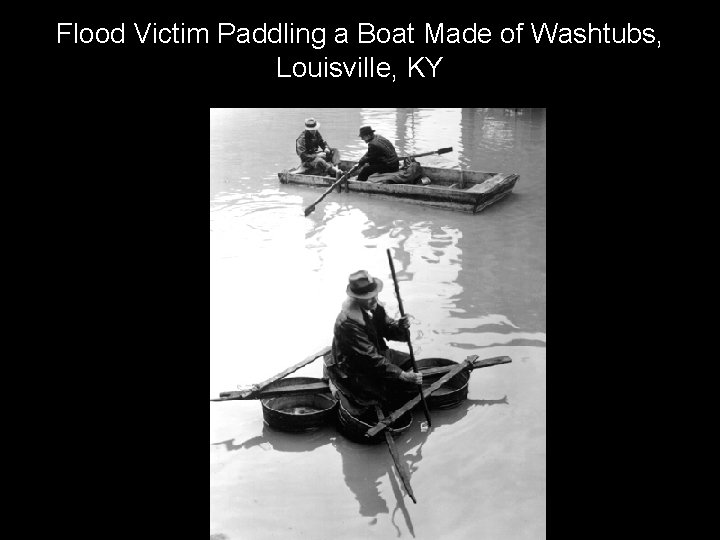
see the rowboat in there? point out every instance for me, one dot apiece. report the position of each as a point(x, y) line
point(296, 404)
point(452, 189)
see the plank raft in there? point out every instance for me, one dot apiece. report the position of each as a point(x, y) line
point(305, 403)
point(452, 189)
point(445, 385)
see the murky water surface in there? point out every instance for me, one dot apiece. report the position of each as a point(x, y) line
point(474, 284)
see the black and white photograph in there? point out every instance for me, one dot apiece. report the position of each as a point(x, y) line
point(378, 323)
point(378, 302)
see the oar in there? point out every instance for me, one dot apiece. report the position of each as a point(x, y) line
point(310, 209)
point(426, 392)
point(439, 151)
point(255, 388)
point(299, 389)
point(471, 362)
point(402, 314)
point(322, 386)
point(404, 475)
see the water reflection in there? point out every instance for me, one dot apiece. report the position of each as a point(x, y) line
point(364, 466)
point(282, 441)
point(446, 286)
point(475, 134)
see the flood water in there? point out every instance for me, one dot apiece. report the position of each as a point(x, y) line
point(473, 284)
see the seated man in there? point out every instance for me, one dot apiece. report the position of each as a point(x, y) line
point(362, 367)
point(316, 156)
point(380, 157)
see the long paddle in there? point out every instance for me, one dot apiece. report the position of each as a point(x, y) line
point(404, 475)
point(438, 152)
point(322, 386)
point(466, 364)
point(255, 388)
point(310, 209)
point(402, 314)
point(471, 362)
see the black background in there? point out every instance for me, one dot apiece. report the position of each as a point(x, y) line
point(123, 285)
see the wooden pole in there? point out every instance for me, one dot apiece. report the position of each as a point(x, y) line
point(245, 394)
point(338, 183)
point(402, 314)
point(399, 465)
point(439, 151)
point(310, 209)
point(300, 389)
point(323, 387)
point(426, 392)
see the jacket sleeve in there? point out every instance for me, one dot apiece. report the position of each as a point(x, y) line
point(391, 328)
point(322, 143)
point(363, 355)
point(300, 149)
point(373, 155)
point(377, 153)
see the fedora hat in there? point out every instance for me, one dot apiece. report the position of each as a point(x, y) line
point(311, 124)
point(363, 286)
point(366, 130)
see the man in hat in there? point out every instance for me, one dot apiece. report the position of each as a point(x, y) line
point(380, 157)
point(314, 152)
point(362, 367)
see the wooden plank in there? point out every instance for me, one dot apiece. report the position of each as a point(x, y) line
point(491, 200)
point(439, 194)
point(425, 193)
point(451, 176)
point(323, 387)
point(439, 176)
point(468, 208)
point(257, 387)
point(486, 186)
point(465, 364)
point(500, 191)
point(446, 177)
point(310, 180)
point(399, 464)
point(495, 183)
point(489, 362)
point(476, 364)
point(292, 390)
point(435, 201)
point(415, 191)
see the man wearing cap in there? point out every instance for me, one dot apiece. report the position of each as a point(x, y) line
point(314, 152)
point(362, 367)
point(380, 157)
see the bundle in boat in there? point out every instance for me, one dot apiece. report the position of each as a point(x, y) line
point(305, 403)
